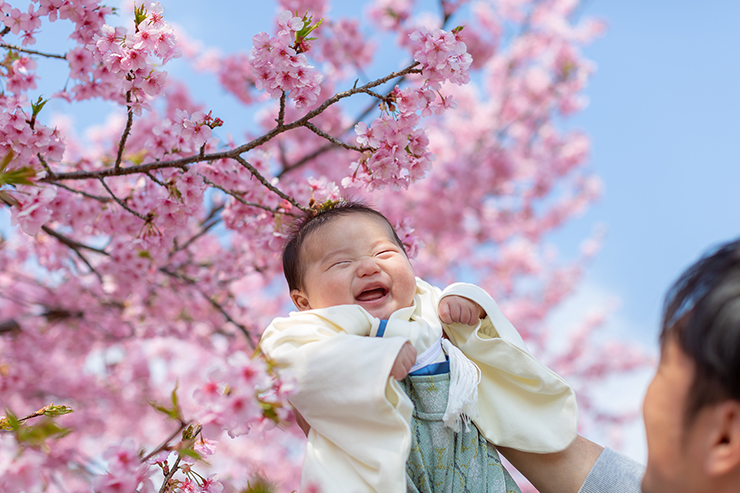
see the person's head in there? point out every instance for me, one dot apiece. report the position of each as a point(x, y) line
point(348, 254)
point(692, 406)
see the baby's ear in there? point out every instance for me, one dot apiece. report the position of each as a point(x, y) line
point(300, 300)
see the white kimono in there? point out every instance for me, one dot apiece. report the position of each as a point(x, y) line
point(359, 416)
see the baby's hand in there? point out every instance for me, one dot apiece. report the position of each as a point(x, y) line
point(459, 310)
point(404, 361)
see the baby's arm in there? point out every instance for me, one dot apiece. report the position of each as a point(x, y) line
point(458, 310)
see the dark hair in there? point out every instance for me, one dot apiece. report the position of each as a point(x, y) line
point(702, 312)
point(311, 221)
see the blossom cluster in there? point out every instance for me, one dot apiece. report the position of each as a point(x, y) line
point(442, 55)
point(233, 399)
point(114, 64)
point(280, 66)
point(125, 470)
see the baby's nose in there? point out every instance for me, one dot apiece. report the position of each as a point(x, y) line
point(367, 266)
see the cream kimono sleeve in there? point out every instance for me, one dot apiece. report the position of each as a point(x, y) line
point(359, 415)
point(522, 404)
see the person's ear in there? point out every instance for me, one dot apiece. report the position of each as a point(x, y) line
point(723, 457)
point(300, 300)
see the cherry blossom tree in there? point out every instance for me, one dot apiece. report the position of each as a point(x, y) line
point(143, 262)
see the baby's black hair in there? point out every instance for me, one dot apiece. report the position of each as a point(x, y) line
point(312, 221)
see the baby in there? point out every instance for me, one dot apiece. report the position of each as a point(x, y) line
point(389, 370)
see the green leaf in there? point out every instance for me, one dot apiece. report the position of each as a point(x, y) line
point(57, 410)
point(174, 395)
point(140, 14)
point(20, 176)
point(188, 452)
point(10, 421)
point(6, 160)
point(37, 106)
point(37, 434)
point(172, 412)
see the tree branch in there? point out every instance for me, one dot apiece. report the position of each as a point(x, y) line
point(72, 243)
point(165, 443)
point(267, 184)
point(126, 131)
point(9, 326)
point(49, 172)
point(123, 204)
point(281, 112)
point(333, 140)
point(237, 151)
point(213, 302)
point(237, 197)
point(75, 246)
point(32, 52)
point(102, 200)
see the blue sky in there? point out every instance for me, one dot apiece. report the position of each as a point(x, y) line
point(663, 120)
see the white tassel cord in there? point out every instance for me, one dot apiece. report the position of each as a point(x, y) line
point(462, 403)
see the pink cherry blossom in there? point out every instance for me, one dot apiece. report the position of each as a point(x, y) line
point(145, 256)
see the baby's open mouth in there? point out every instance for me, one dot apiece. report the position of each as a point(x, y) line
point(372, 294)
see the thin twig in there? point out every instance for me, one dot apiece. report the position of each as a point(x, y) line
point(32, 52)
point(166, 442)
point(205, 228)
point(359, 118)
point(237, 197)
point(122, 203)
point(334, 140)
point(208, 298)
point(154, 179)
point(76, 246)
point(318, 152)
point(126, 131)
point(281, 112)
point(237, 151)
point(102, 200)
point(267, 184)
point(49, 172)
point(72, 243)
point(172, 472)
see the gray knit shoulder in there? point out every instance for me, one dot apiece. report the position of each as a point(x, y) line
point(613, 473)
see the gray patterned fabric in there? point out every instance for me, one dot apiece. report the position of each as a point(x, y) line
point(442, 461)
point(613, 473)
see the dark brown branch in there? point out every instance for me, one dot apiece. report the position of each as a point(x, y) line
point(173, 470)
point(267, 184)
point(102, 200)
point(132, 170)
point(206, 227)
point(318, 152)
point(49, 172)
point(123, 204)
point(9, 326)
point(72, 243)
point(213, 302)
point(154, 179)
point(281, 112)
point(32, 52)
point(165, 443)
point(126, 131)
point(333, 140)
point(76, 246)
point(237, 197)
point(361, 117)
point(235, 152)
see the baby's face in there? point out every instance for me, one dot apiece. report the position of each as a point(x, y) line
point(353, 260)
